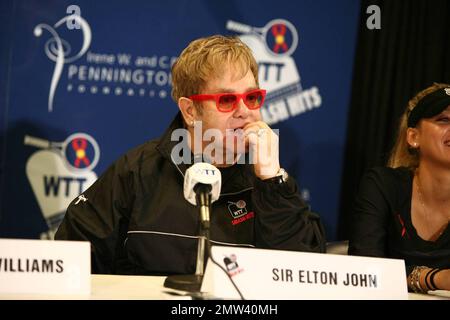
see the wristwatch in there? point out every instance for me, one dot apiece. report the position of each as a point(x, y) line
point(281, 177)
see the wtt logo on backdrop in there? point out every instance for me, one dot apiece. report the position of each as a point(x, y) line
point(59, 172)
point(99, 73)
point(273, 46)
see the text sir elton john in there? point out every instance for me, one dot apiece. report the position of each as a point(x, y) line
point(366, 280)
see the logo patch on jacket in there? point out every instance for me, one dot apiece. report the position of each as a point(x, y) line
point(239, 212)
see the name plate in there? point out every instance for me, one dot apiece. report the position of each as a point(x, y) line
point(275, 274)
point(45, 267)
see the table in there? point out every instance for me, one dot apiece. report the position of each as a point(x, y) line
point(117, 287)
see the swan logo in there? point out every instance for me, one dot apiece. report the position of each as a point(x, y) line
point(58, 50)
point(99, 73)
point(273, 46)
point(59, 172)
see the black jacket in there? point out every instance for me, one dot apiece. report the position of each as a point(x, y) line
point(138, 221)
point(382, 225)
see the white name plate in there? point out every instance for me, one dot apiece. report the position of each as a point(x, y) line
point(45, 267)
point(275, 274)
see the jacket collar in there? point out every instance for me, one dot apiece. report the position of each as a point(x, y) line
point(166, 145)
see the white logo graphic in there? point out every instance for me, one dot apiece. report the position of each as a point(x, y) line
point(447, 91)
point(58, 50)
point(59, 172)
point(119, 73)
point(272, 47)
point(81, 198)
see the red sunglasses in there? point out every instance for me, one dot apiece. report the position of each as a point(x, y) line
point(227, 102)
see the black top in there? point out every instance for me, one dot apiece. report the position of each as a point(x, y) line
point(382, 226)
point(138, 221)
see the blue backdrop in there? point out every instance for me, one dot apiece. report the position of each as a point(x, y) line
point(77, 92)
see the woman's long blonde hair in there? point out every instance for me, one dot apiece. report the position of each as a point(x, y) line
point(402, 155)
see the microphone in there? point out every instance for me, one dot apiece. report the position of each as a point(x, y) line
point(202, 183)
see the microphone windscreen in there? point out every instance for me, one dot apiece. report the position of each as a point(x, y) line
point(203, 173)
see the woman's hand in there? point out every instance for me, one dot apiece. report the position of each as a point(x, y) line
point(442, 279)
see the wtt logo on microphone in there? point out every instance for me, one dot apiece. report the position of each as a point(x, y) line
point(206, 172)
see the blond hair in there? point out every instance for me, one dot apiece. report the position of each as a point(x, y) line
point(402, 155)
point(206, 58)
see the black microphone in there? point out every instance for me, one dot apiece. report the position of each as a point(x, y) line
point(203, 198)
point(202, 183)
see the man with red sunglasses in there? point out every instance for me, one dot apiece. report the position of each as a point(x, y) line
point(135, 215)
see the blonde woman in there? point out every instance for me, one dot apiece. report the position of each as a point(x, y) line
point(403, 210)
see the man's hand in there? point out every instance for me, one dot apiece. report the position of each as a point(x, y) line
point(263, 146)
